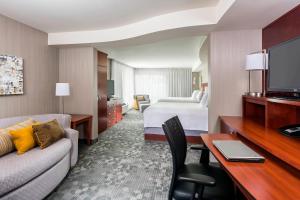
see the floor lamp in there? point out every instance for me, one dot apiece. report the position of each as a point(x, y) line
point(257, 61)
point(62, 90)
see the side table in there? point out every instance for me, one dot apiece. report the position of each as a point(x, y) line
point(87, 121)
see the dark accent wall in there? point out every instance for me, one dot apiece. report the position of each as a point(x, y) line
point(284, 28)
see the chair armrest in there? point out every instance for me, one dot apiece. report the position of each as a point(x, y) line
point(204, 159)
point(73, 136)
point(199, 147)
point(197, 178)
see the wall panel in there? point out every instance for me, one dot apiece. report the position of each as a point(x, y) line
point(228, 80)
point(40, 69)
point(77, 66)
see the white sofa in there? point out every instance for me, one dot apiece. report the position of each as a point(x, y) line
point(34, 174)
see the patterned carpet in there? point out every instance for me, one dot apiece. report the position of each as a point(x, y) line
point(121, 166)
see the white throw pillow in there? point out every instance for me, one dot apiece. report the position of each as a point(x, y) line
point(204, 99)
point(195, 93)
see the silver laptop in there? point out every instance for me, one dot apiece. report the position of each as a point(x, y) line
point(235, 150)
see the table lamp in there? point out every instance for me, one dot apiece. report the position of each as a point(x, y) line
point(62, 90)
point(257, 61)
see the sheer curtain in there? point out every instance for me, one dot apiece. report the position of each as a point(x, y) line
point(180, 82)
point(153, 82)
point(163, 82)
point(123, 76)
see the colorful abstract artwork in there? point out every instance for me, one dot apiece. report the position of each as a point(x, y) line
point(11, 75)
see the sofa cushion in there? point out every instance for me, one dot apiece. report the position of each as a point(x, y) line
point(19, 125)
point(17, 170)
point(64, 120)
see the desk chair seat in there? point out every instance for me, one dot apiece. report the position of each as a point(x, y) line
point(184, 190)
point(192, 181)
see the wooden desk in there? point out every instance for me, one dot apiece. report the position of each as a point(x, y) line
point(87, 121)
point(262, 181)
point(285, 148)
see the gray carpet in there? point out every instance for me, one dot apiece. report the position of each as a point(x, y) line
point(121, 166)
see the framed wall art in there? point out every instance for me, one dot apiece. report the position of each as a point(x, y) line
point(11, 75)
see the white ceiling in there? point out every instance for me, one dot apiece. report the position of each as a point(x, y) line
point(254, 14)
point(125, 28)
point(225, 15)
point(180, 53)
point(78, 15)
point(70, 21)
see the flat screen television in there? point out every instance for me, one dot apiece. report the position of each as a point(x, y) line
point(110, 88)
point(284, 67)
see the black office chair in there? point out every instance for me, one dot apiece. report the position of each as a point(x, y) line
point(193, 181)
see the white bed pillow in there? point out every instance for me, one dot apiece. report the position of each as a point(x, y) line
point(199, 96)
point(204, 100)
point(195, 93)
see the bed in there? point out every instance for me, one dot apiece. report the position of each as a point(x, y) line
point(193, 116)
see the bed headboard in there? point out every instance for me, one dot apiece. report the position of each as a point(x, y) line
point(204, 86)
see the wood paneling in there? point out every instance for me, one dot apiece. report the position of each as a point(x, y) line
point(102, 63)
point(283, 29)
point(204, 86)
point(228, 80)
point(77, 66)
point(271, 180)
point(40, 69)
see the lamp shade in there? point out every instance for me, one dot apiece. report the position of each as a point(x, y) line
point(62, 89)
point(257, 61)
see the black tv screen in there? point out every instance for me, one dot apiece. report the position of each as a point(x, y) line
point(284, 67)
point(110, 88)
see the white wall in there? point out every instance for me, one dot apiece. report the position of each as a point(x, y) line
point(228, 80)
point(204, 60)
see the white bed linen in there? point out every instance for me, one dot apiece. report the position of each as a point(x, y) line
point(179, 100)
point(193, 116)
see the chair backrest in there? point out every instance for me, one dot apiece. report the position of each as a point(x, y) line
point(176, 138)
point(177, 141)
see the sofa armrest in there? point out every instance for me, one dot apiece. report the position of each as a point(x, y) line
point(73, 136)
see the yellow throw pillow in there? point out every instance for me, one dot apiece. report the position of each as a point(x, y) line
point(23, 139)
